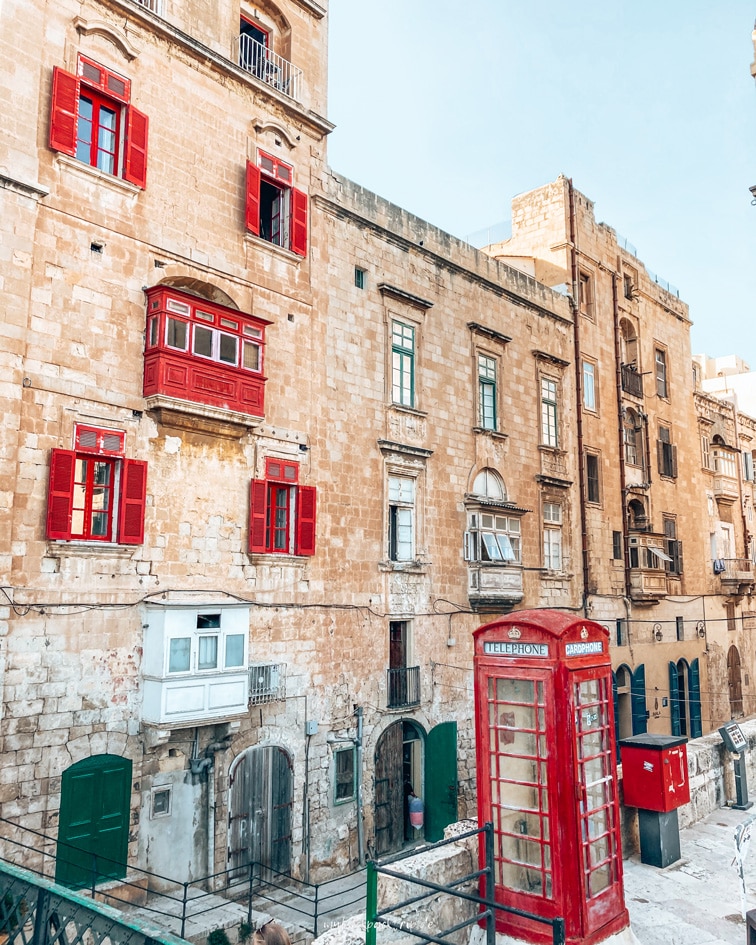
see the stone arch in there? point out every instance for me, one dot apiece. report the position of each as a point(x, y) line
point(200, 289)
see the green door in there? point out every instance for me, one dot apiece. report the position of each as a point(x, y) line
point(93, 833)
point(440, 779)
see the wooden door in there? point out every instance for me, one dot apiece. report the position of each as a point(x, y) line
point(389, 790)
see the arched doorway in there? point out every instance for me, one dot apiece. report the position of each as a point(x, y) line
point(399, 758)
point(734, 683)
point(93, 834)
point(261, 789)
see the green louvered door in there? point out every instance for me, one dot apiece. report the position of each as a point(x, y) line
point(93, 833)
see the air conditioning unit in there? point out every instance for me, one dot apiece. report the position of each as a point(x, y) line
point(267, 683)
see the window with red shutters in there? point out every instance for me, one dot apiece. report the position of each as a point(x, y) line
point(94, 493)
point(281, 512)
point(91, 119)
point(274, 209)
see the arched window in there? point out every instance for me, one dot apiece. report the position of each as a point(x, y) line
point(489, 483)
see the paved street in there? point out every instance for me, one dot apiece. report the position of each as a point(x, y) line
point(696, 901)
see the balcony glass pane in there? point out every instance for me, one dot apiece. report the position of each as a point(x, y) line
point(208, 653)
point(178, 655)
point(235, 650)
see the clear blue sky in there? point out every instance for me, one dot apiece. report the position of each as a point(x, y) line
point(449, 109)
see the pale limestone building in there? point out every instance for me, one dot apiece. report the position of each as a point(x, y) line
point(649, 501)
point(274, 448)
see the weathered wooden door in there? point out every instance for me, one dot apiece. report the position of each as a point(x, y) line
point(93, 833)
point(260, 809)
point(440, 779)
point(389, 790)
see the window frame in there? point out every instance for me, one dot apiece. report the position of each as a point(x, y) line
point(553, 536)
point(586, 293)
point(127, 490)
point(488, 387)
point(504, 545)
point(590, 389)
point(403, 362)
point(666, 452)
point(592, 482)
point(107, 89)
point(274, 174)
point(347, 750)
point(196, 636)
point(549, 411)
point(299, 522)
point(401, 514)
point(661, 373)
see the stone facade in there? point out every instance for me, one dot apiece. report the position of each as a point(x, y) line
point(419, 394)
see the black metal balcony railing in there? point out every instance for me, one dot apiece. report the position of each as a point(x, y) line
point(403, 687)
point(632, 381)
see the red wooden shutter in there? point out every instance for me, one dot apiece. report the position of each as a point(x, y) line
point(252, 205)
point(305, 537)
point(298, 222)
point(133, 500)
point(64, 112)
point(60, 494)
point(135, 160)
point(258, 500)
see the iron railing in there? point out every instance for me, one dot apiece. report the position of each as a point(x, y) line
point(154, 6)
point(259, 61)
point(483, 908)
point(403, 687)
point(181, 904)
point(35, 911)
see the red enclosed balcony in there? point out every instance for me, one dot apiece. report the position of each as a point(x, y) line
point(199, 352)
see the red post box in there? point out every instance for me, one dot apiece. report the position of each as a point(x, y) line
point(547, 774)
point(655, 772)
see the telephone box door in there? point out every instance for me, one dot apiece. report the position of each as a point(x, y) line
point(598, 833)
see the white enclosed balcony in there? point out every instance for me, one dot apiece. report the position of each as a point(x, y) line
point(195, 664)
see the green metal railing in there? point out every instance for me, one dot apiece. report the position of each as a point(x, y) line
point(487, 907)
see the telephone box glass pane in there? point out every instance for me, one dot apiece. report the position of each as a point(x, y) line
point(519, 788)
point(595, 776)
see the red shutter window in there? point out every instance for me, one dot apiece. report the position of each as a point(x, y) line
point(258, 499)
point(281, 471)
point(96, 440)
point(298, 222)
point(64, 112)
point(252, 204)
point(133, 501)
point(105, 81)
point(305, 537)
point(135, 158)
point(60, 494)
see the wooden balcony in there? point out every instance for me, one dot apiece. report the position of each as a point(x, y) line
point(725, 488)
point(195, 698)
point(183, 377)
point(632, 381)
point(493, 589)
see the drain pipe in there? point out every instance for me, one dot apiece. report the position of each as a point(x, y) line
point(574, 275)
point(358, 788)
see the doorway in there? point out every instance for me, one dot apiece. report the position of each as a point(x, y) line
point(93, 834)
point(261, 786)
point(399, 757)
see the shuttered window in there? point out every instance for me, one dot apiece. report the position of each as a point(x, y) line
point(282, 513)
point(95, 494)
point(92, 119)
point(274, 209)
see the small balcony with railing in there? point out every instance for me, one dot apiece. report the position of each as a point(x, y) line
point(735, 574)
point(632, 381)
point(256, 58)
point(403, 687)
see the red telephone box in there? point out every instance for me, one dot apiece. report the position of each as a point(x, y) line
point(547, 775)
